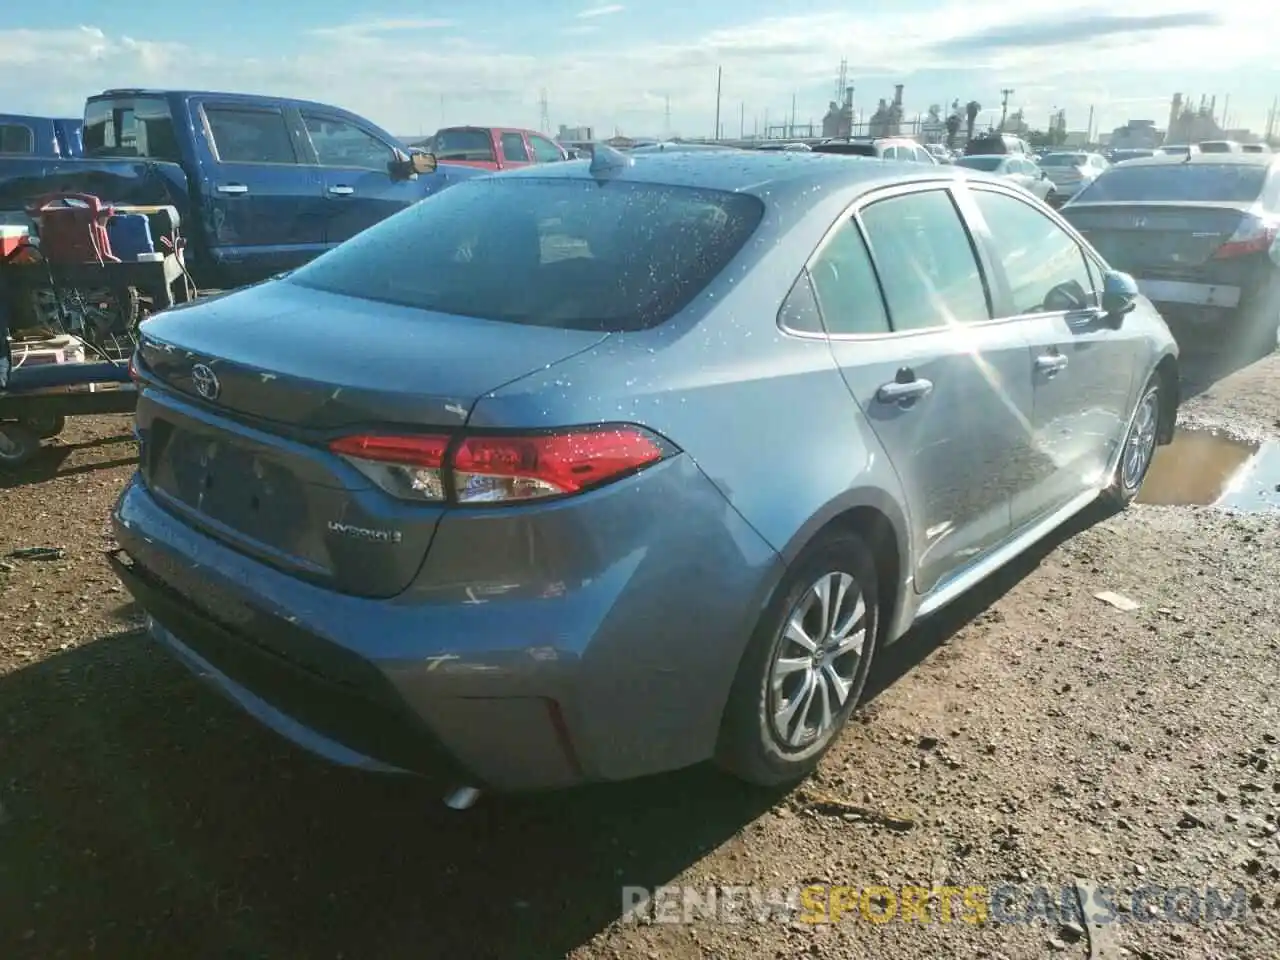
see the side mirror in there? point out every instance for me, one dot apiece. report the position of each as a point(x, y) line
point(409, 167)
point(1119, 296)
point(422, 161)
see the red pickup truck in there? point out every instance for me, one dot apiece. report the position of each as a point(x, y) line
point(493, 148)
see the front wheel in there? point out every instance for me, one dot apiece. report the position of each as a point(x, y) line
point(806, 665)
point(1139, 448)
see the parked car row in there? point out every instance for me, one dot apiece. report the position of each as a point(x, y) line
point(261, 184)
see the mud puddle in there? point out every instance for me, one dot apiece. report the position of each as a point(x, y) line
point(1205, 468)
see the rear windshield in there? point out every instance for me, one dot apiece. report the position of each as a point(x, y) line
point(1063, 160)
point(550, 252)
point(988, 145)
point(856, 149)
point(129, 127)
point(980, 163)
point(462, 145)
point(1210, 183)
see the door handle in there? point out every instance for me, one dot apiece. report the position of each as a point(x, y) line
point(232, 188)
point(904, 392)
point(1051, 363)
point(342, 191)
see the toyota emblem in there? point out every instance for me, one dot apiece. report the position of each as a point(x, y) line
point(206, 382)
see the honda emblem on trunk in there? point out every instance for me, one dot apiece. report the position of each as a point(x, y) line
point(205, 381)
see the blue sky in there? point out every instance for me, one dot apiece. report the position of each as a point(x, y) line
point(412, 66)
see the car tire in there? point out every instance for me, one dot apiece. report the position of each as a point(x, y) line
point(17, 445)
point(1139, 447)
point(754, 744)
point(46, 428)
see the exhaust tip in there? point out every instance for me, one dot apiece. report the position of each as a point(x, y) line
point(461, 798)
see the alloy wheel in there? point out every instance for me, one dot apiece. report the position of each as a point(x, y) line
point(816, 660)
point(1141, 443)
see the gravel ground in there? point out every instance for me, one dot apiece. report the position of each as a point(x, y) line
point(1033, 736)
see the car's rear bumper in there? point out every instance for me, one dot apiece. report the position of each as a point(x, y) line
point(1191, 294)
point(620, 674)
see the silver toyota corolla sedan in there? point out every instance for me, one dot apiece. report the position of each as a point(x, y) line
point(593, 470)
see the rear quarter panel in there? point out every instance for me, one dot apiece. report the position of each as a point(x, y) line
point(765, 415)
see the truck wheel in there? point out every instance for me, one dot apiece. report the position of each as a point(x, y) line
point(17, 445)
point(46, 428)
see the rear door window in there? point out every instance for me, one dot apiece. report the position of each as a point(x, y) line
point(926, 261)
point(547, 252)
point(844, 282)
point(16, 138)
point(1045, 267)
point(250, 136)
point(513, 148)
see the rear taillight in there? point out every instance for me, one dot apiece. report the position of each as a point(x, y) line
point(411, 467)
point(1254, 235)
point(499, 468)
point(133, 367)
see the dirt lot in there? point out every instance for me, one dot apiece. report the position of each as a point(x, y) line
point(1033, 735)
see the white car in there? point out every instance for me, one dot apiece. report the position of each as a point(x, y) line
point(1072, 172)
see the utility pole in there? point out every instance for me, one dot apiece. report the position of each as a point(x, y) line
point(666, 118)
point(544, 113)
point(1005, 94)
point(1088, 134)
point(791, 130)
point(1226, 111)
point(719, 74)
point(742, 120)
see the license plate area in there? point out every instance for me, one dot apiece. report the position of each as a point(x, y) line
point(228, 483)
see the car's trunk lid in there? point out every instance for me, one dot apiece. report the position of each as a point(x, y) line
point(1157, 239)
point(306, 359)
point(283, 369)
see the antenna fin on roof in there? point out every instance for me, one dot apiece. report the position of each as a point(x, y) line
point(606, 161)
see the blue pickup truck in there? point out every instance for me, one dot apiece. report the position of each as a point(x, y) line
point(24, 138)
point(262, 184)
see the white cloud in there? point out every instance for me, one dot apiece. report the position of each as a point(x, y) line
point(383, 70)
point(366, 28)
point(601, 11)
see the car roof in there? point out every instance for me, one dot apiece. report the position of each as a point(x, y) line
point(776, 176)
point(1205, 160)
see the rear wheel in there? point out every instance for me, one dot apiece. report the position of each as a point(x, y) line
point(1139, 448)
point(17, 445)
point(48, 427)
point(806, 666)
